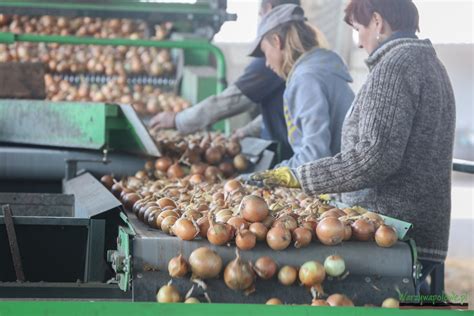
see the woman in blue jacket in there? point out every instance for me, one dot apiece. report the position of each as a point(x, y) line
point(317, 95)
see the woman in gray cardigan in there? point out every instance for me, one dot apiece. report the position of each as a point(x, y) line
point(397, 139)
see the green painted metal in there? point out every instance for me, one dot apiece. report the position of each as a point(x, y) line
point(153, 309)
point(10, 38)
point(86, 125)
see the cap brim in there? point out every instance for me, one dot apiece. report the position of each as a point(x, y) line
point(255, 50)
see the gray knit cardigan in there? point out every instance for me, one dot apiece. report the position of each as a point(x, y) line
point(397, 144)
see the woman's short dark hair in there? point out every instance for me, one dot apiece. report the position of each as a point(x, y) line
point(402, 15)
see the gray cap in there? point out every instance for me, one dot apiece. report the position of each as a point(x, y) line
point(279, 15)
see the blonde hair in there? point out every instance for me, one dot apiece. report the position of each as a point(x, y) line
point(297, 38)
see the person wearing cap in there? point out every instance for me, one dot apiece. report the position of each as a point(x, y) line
point(397, 140)
point(317, 94)
point(257, 88)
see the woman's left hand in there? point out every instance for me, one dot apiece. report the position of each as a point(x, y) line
point(282, 176)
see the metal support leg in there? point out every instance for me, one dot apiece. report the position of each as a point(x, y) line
point(437, 280)
point(15, 250)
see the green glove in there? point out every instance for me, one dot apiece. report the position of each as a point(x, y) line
point(283, 177)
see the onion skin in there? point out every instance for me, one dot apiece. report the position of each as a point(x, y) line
point(167, 223)
point(287, 275)
point(238, 223)
point(339, 300)
point(386, 236)
point(330, 231)
point(245, 239)
point(274, 301)
point(232, 186)
point(204, 225)
point(265, 267)
point(178, 267)
point(253, 208)
point(164, 202)
point(278, 238)
point(168, 294)
point(175, 172)
point(205, 263)
point(363, 230)
point(301, 237)
point(107, 181)
point(259, 230)
point(347, 232)
point(312, 273)
point(287, 221)
point(239, 275)
point(334, 266)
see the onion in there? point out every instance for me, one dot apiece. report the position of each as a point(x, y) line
point(227, 169)
point(152, 219)
point(363, 230)
point(375, 218)
point(198, 168)
point(265, 267)
point(334, 212)
point(204, 225)
point(149, 211)
point(116, 189)
point(301, 237)
point(391, 303)
point(185, 229)
point(287, 275)
point(245, 239)
point(339, 300)
point(192, 214)
point(218, 234)
point(274, 301)
point(259, 230)
point(205, 263)
point(163, 215)
point(191, 300)
point(163, 164)
point(175, 171)
point(166, 202)
point(319, 302)
point(386, 236)
point(238, 223)
point(312, 273)
point(107, 181)
point(278, 238)
point(330, 231)
point(212, 174)
point(178, 267)
point(232, 186)
point(168, 294)
point(334, 266)
point(129, 200)
point(196, 179)
point(289, 222)
point(213, 155)
point(233, 148)
point(253, 208)
point(240, 163)
point(167, 223)
point(223, 216)
point(239, 275)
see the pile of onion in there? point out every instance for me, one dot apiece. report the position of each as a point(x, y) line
point(186, 229)
point(363, 230)
point(278, 238)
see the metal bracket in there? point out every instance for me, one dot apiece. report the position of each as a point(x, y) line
point(121, 259)
point(15, 250)
point(71, 164)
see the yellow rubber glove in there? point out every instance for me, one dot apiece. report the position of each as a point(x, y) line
point(277, 177)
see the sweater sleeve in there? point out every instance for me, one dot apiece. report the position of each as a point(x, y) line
point(309, 130)
point(226, 104)
point(387, 107)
